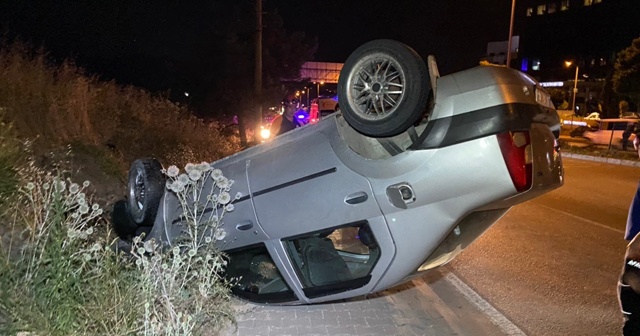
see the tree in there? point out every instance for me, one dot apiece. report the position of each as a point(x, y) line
point(623, 108)
point(626, 76)
point(219, 68)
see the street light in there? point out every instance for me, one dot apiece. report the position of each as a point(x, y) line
point(575, 85)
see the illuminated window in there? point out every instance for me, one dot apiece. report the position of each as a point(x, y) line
point(524, 65)
point(564, 5)
point(588, 2)
point(529, 11)
point(551, 8)
point(541, 9)
point(535, 66)
point(597, 1)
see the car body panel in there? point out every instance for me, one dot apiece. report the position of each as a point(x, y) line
point(308, 176)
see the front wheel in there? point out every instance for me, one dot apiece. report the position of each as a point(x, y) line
point(383, 88)
point(145, 188)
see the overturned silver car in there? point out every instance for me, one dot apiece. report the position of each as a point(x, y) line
point(414, 168)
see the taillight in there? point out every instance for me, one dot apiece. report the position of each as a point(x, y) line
point(516, 151)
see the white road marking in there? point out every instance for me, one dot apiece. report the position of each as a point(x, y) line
point(494, 315)
point(588, 221)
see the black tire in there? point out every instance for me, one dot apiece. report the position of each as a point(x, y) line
point(383, 88)
point(121, 221)
point(145, 189)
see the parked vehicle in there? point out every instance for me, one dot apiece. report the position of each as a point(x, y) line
point(411, 170)
point(328, 105)
point(609, 131)
point(576, 125)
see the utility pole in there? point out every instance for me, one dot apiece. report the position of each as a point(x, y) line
point(258, 73)
point(575, 91)
point(513, 9)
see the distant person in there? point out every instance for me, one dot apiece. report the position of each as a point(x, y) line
point(629, 283)
point(631, 129)
point(287, 121)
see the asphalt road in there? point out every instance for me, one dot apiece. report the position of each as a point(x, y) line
point(550, 265)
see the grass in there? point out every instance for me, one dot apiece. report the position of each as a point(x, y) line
point(55, 105)
point(10, 156)
point(59, 275)
point(58, 272)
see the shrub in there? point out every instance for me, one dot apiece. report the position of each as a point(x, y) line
point(60, 274)
point(10, 156)
point(184, 287)
point(60, 104)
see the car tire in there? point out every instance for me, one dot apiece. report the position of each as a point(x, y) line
point(121, 221)
point(145, 188)
point(383, 88)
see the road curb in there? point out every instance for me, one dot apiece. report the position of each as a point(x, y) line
point(621, 162)
point(492, 313)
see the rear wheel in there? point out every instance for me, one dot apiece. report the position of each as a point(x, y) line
point(145, 188)
point(383, 88)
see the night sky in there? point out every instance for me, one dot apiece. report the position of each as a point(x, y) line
point(455, 31)
point(185, 46)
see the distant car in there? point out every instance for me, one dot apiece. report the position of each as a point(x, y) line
point(576, 125)
point(328, 105)
point(609, 131)
point(593, 116)
point(411, 170)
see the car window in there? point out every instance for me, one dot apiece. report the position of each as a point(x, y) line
point(620, 126)
point(615, 125)
point(334, 260)
point(256, 276)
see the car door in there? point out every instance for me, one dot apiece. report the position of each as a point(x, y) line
point(312, 204)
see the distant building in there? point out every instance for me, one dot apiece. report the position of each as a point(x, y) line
point(588, 33)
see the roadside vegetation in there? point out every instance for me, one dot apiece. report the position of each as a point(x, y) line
point(56, 105)
point(59, 272)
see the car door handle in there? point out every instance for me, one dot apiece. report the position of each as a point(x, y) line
point(244, 225)
point(357, 197)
